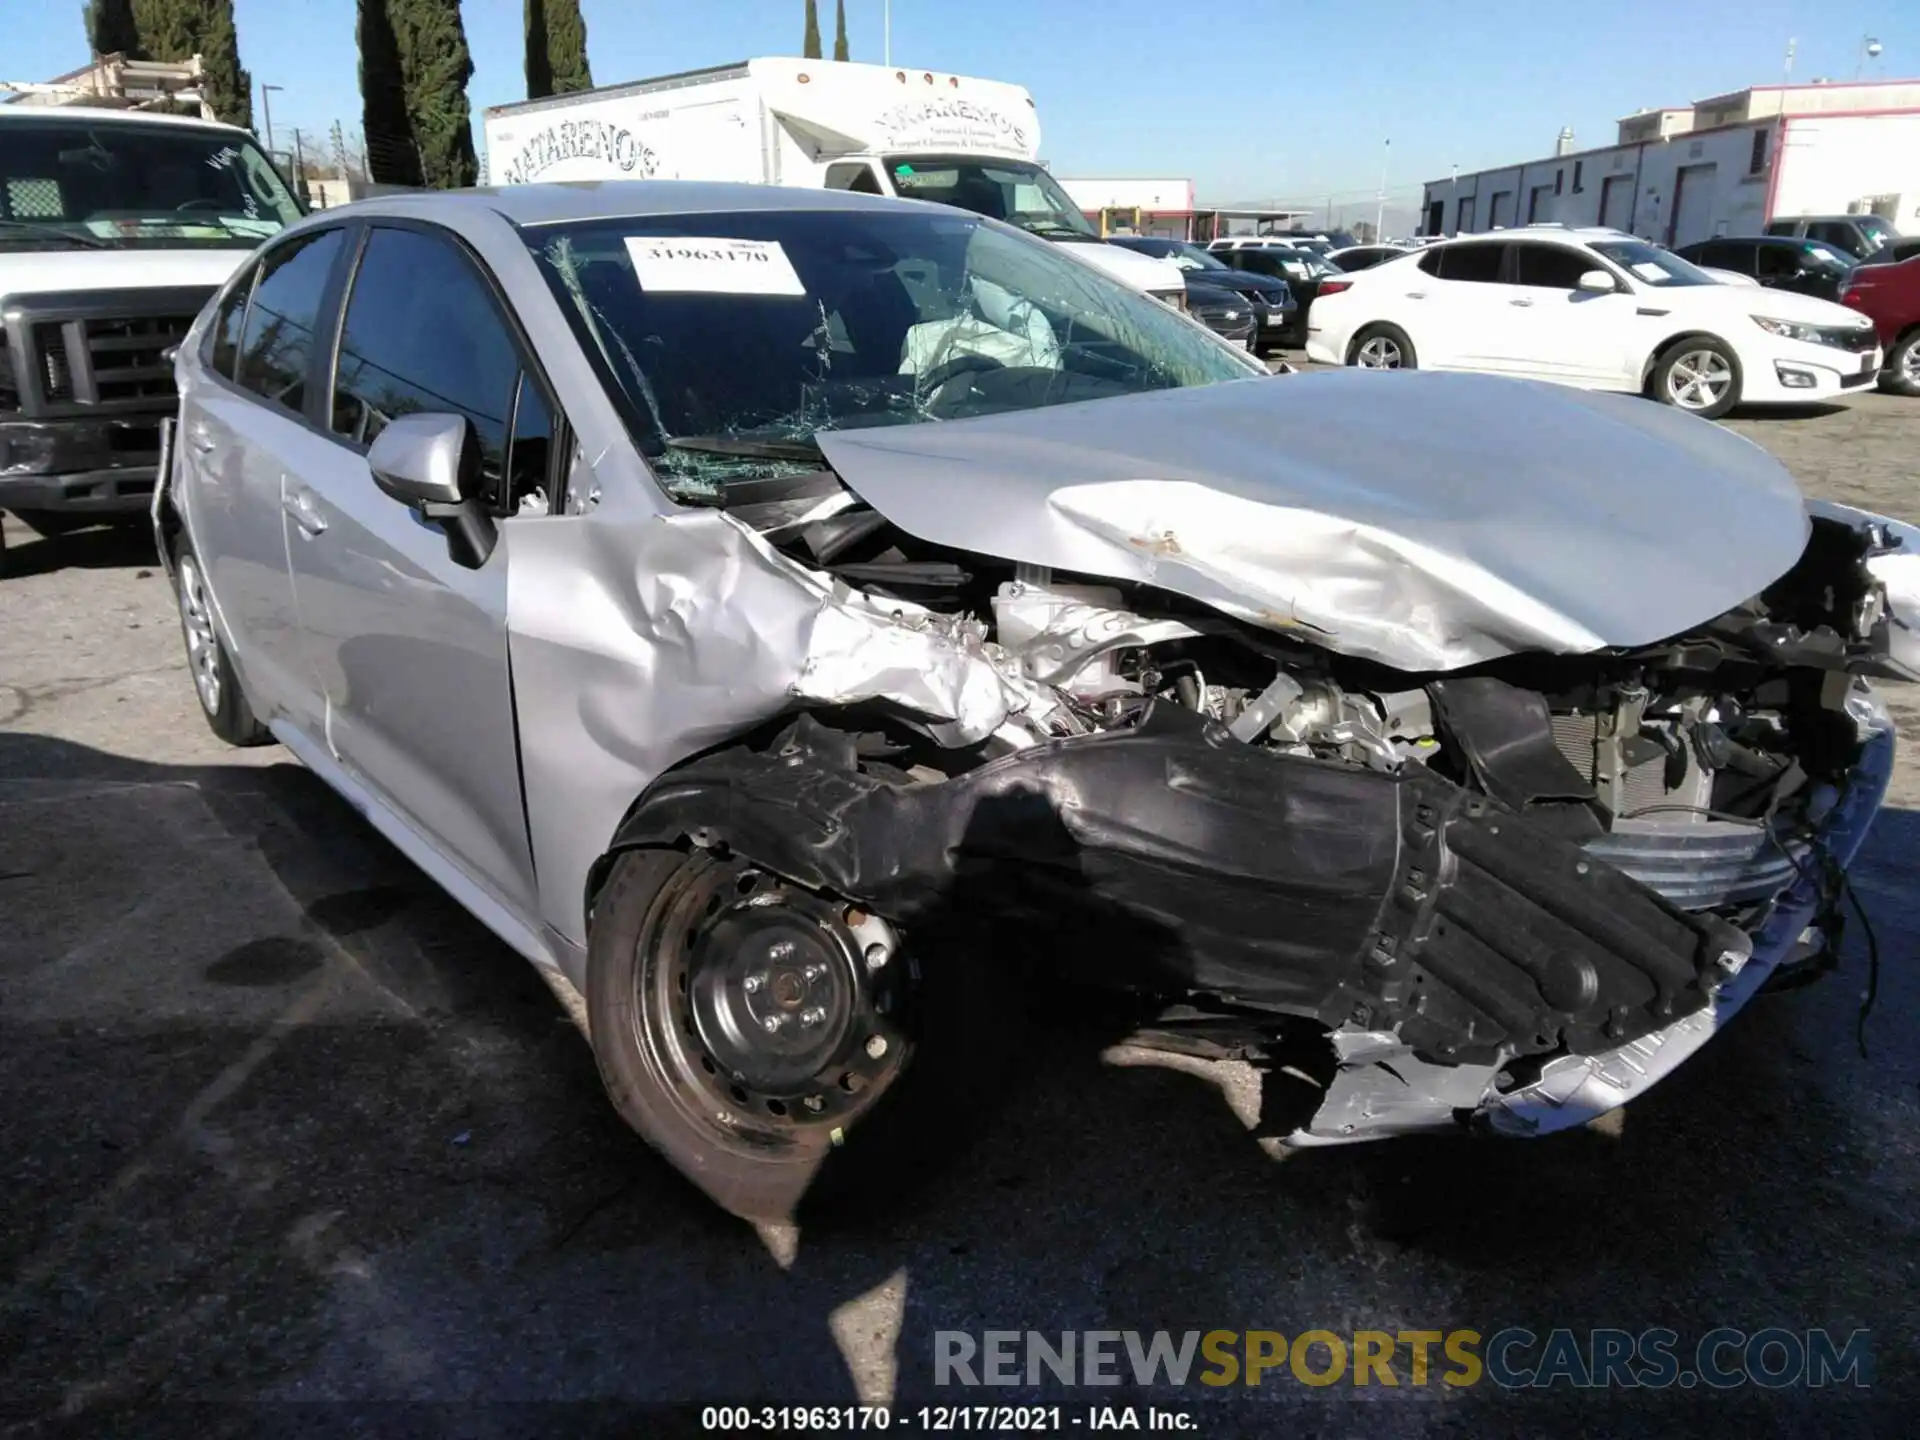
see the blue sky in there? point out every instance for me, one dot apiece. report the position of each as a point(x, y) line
point(1253, 100)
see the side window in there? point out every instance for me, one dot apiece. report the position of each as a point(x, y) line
point(1476, 264)
point(423, 333)
point(854, 175)
point(1550, 267)
point(1781, 227)
point(223, 340)
point(276, 345)
point(1430, 261)
point(1831, 233)
point(1778, 262)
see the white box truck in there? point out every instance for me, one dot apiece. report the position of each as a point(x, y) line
point(828, 124)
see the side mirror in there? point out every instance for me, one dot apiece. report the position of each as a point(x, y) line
point(424, 459)
point(430, 463)
point(1598, 282)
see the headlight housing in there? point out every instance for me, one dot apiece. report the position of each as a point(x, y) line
point(1791, 330)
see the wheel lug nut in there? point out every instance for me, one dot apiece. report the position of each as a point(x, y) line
point(772, 1023)
point(815, 973)
point(781, 949)
point(876, 956)
point(876, 1046)
point(813, 1016)
point(753, 983)
point(814, 1103)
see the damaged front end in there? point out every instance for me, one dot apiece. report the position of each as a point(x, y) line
point(1514, 894)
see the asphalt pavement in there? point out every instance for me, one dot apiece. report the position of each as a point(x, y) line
point(286, 1135)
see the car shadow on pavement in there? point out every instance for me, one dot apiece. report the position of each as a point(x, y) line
point(105, 547)
point(296, 1127)
point(1787, 412)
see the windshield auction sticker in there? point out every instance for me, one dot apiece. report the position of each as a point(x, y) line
point(705, 265)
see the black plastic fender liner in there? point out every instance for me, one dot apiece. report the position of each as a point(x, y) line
point(1188, 861)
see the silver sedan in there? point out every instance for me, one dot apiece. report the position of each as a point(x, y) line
point(793, 620)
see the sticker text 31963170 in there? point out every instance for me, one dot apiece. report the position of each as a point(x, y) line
point(713, 266)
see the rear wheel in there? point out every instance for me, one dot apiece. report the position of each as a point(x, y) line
point(1699, 375)
point(221, 699)
point(773, 1043)
point(1901, 373)
point(1382, 347)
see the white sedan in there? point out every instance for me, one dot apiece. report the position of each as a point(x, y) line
point(1595, 309)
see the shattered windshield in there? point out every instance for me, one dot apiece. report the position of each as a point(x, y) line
point(1016, 191)
point(67, 182)
point(732, 340)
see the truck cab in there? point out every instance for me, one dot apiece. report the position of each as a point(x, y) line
point(825, 124)
point(116, 226)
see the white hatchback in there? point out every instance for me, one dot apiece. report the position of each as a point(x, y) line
point(1596, 309)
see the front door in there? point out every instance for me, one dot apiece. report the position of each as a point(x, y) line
point(410, 646)
point(1557, 331)
point(235, 428)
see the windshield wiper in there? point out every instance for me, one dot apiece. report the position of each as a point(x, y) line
point(50, 232)
point(800, 448)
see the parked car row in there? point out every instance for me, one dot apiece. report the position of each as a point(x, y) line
point(1596, 309)
point(1269, 299)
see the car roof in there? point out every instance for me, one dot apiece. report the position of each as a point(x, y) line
point(104, 115)
point(574, 201)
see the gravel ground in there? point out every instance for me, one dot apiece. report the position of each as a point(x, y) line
point(279, 1124)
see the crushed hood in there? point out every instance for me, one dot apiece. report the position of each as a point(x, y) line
point(1427, 521)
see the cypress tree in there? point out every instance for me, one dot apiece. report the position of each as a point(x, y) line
point(556, 48)
point(414, 68)
point(110, 27)
point(175, 30)
point(840, 30)
point(811, 47)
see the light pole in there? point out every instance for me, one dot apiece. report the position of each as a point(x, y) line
point(1380, 212)
point(266, 112)
point(1869, 50)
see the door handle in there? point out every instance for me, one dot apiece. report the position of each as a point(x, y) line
point(1416, 295)
point(1519, 302)
point(305, 511)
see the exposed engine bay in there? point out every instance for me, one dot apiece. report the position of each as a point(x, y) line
point(1452, 895)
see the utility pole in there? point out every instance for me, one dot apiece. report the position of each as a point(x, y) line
point(300, 167)
point(1787, 74)
point(266, 112)
point(1380, 213)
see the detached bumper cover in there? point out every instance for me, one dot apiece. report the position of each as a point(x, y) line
point(1173, 858)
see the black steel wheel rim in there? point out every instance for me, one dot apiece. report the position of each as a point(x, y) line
point(773, 1015)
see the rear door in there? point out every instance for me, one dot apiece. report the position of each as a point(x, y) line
point(410, 646)
point(1455, 306)
point(242, 428)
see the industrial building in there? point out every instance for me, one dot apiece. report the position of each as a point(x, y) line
point(1723, 166)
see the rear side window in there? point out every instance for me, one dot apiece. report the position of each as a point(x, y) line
point(276, 345)
point(1781, 227)
point(1550, 267)
point(1778, 262)
point(1475, 263)
point(1833, 234)
point(223, 342)
point(423, 333)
